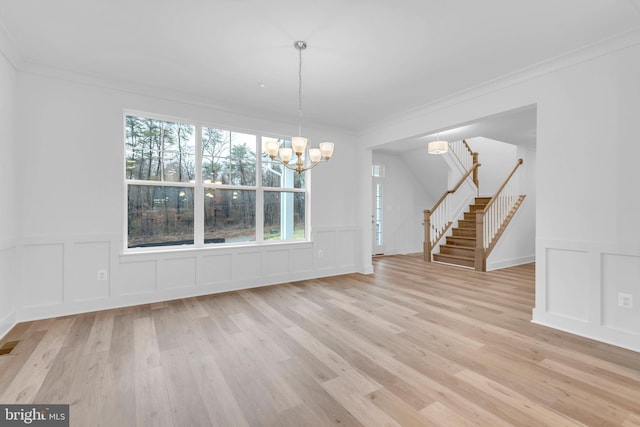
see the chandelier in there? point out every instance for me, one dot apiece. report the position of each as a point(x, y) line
point(438, 146)
point(299, 143)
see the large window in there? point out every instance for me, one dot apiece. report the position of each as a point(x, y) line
point(196, 185)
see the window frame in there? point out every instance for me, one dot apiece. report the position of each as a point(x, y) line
point(199, 187)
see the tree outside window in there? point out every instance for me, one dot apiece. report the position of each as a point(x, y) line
point(196, 185)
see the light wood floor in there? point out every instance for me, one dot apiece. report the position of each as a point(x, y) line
point(414, 344)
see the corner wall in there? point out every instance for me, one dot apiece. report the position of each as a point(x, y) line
point(9, 176)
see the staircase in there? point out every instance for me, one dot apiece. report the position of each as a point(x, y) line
point(478, 229)
point(460, 247)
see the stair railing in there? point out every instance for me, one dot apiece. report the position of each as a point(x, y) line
point(438, 219)
point(466, 156)
point(494, 218)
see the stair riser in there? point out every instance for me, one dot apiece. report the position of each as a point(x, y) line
point(469, 216)
point(453, 241)
point(457, 250)
point(466, 224)
point(459, 232)
point(444, 258)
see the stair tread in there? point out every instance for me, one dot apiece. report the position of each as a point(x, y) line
point(447, 245)
point(455, 257)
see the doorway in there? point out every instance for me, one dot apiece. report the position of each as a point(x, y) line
point(377, 211)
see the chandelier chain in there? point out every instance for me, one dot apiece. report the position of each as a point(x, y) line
point(299, 91)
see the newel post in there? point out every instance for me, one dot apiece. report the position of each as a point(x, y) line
point(427, 236)
point(475, 171)
point(480, 263)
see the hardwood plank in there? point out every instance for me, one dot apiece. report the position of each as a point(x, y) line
point(358, 405)
point(544, 415)
point(359, 382)
point(101, 332)
point(27, 383)
point(413, 344)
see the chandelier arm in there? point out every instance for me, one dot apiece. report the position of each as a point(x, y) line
point(295, 168)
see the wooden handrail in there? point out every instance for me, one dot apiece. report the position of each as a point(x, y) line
point(495, 196)
point(464, 141)
point(454, 189)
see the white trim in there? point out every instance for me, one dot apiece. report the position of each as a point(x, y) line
point(510, 262)
point(119, 267)
point(90, 305)
point(594, 297)
point(600, 333)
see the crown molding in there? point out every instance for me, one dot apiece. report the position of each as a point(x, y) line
point(587, 53)
point(164, 94)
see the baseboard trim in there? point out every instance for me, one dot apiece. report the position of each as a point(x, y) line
point(6, 324)
point(618, 338)
point(510, 262)
point(26, 314)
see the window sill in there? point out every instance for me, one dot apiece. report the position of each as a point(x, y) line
point(165, 252)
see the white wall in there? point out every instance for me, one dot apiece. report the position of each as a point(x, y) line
point(517, 244)
point(72, 207)
point(404, 200)
point(9, 176)
point(587, 245)
point(496, 158)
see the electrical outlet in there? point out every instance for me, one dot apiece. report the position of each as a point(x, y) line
point(320, 253)
point(102, 274)
point(625, 300)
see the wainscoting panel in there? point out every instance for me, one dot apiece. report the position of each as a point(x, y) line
point(302, 260)
point(42, 275)
point(567, 283)
point(620, 274)
point(346, 249)
point(325, 248)
point(86, 260)
point(73, 274)
point(577, 289)
point(135, 278)
point(247, 265)
point(276, 263)
point(214, 269)
point(176, 273)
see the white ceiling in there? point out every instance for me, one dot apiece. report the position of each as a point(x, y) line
point(516, 127)
point(367, 60)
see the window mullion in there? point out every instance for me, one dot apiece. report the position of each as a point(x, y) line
point(259, 192)
point(198, 196)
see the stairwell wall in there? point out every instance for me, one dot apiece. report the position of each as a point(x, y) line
point(517, 244)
